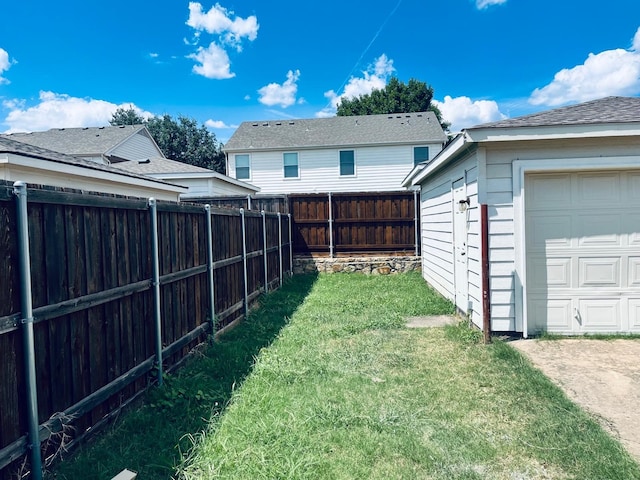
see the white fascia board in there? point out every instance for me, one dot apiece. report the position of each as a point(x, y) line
point(448, 154)
point(79, 171)
point(553, 132)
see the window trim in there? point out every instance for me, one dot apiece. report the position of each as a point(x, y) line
point(414, 154)
point(284, 166)
point(340, 174)
point(235, 160)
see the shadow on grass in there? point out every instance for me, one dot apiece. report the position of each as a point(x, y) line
point(151, 439)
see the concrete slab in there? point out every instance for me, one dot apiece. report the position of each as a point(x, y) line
point(602, 376)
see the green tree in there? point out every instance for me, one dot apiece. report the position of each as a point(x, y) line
point(126, 116)
point(182, 139)
point(395, 97)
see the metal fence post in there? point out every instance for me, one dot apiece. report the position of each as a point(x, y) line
point(290, 246)
point(264, 242)
point(20, 191)
point(212, 295)
point(280, 244)
point(416, 213)
point(244, 262)
point(330, 228)
point(155, 282)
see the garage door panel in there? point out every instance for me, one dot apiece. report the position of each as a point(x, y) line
point(633, 220)
point(549, 271)
point(634, 314)
point(599, 272)
point(598, 189)
point(598, 229)
point(634, 271)
point(553, 315)
point(633, 184)
point(583, 255)
point(549, 191)
point(549, 231)
point(600, 314)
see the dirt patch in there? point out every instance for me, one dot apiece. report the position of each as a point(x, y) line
point(602, 376)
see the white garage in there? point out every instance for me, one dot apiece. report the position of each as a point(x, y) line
point(549, 237)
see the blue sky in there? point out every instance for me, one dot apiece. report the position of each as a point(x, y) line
point(72, 63)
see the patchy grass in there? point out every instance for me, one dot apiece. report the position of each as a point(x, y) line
point(336, 387)
point(347, 392)
point(151, 439)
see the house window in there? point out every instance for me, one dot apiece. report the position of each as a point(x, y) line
point(243, 168)
point(347, 162)
point(290, 165)
point(420, 154)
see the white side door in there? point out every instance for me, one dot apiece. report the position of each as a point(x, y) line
point(460, 272)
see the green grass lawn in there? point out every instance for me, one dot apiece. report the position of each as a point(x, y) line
point(338, 388)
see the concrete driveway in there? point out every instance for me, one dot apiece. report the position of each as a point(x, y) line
point(602, 376)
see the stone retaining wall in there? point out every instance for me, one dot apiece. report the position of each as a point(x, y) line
point(366, 265)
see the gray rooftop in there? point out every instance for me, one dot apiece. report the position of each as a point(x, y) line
point(159, 165)
point(80, 141)
point(360, 130)
point(602, 111)
point(12, 146)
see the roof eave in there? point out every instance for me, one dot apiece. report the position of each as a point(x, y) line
point(553, 132)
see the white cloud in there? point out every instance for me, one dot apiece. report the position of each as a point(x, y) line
point(229, 31)
point(5, 64)
point(374, 78)
point(217, 21)
point(462, 112)
point(213, 62)
point(612, 72)
point(283, 95)
point(482, 4)
point(218, 124)
point(61, 111)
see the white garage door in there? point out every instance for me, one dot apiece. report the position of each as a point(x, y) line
point(583, 252)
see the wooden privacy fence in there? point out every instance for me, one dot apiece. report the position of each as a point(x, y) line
point(350, 223)
point(100, 294)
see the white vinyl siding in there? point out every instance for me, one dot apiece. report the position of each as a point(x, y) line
point(437, 210)
point(377, 169)
point(499, 200)
point(136, 147)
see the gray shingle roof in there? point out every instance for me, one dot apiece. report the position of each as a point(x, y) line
point(604, 110)
point(10, 145)
point(159, 165)
point(79, 141)
point(409, 128)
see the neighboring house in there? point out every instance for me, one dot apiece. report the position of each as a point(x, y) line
point(106, 145)
point(201, 182)
point(561, 190)
point(132, 148)
point(366, 153)
point(31, 164)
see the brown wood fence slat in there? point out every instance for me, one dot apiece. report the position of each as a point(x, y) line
point(357, 222)
point(93, 323)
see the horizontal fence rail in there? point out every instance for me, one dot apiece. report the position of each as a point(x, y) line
point(121, 289)
point(355, 223)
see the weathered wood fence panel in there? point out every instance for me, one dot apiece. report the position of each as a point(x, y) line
point(349, 223)
point(92, 292)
